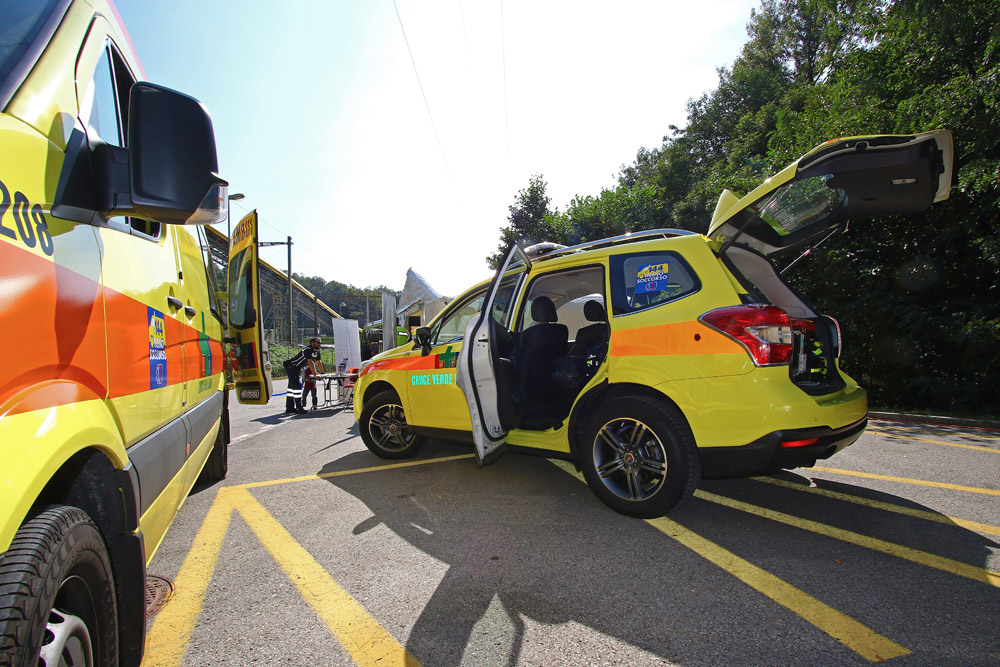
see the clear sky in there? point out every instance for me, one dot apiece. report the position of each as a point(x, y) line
point(322, 124)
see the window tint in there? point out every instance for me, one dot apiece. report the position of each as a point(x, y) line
point(451, 327)
point(649, 279)
point(503, 304)
point(241, 311)
point(102, 116)
point(215, 274)
point(106, 115)
point(23, 23)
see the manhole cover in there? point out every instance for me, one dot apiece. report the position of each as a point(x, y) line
point(158, 591)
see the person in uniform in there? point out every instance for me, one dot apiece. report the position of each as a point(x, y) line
point(315, 366)
point(306, 358)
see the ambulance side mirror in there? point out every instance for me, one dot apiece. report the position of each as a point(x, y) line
point(423, 338)
point(173, 166)
point(167, 173)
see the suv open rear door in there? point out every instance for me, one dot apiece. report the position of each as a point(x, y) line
point(485, 373)
point(841, 180)
point(247, 348)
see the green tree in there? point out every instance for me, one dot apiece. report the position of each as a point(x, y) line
point(529, 220)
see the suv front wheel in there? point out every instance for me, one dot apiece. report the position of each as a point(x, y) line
point(638, 456)
point(384, 429)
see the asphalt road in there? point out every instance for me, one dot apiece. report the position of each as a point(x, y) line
point(315, 552)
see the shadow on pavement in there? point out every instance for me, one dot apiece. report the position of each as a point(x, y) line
point(527, 544)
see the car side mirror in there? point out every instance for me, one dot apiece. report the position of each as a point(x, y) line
point(423, 338)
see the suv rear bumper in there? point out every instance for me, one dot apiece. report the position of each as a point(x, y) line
point(766, 453)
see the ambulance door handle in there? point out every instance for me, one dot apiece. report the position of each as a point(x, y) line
point(174, 302)
point(189, 311)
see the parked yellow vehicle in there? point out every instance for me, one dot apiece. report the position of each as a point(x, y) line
point(656, 358)
point(112, 390)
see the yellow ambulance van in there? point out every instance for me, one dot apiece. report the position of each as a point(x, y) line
point(113, 396)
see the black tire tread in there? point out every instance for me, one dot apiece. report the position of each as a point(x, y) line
point(678, 429)
point(35, 552)
point(375, 402)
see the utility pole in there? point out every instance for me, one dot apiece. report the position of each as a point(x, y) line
point(291, 309)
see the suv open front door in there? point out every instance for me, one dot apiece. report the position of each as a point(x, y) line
point(247, 349)
point(485, 373)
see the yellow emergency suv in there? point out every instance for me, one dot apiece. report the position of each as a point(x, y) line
point(656, 358)
point(113, 397)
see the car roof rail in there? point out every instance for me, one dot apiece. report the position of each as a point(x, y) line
point(630, 237)
point(541, 249)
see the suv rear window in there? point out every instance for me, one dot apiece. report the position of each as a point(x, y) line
point(648, 279)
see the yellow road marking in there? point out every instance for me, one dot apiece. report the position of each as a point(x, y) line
point(852, 634)
point(907, 480)
point(168, 639)
point(887, 434)
point(856, 636)
point(882, 505)
point(897, 550)
point(355, 471)
point(369, 644)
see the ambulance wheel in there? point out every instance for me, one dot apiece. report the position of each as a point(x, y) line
point(384, 429)
point(57, 594)
point(217, 465)
point(638, 456)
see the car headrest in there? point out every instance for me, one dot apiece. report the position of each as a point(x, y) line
point(543, 310)
point(594, 311)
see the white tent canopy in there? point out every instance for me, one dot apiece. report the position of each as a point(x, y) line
point(419, 300)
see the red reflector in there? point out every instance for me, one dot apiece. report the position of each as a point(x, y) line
point(800, 443)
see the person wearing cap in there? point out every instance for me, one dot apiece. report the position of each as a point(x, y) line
point(315, 367)
point(306, 358)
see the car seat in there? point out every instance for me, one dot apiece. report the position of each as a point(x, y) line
point(591, 340)
point(540, 345)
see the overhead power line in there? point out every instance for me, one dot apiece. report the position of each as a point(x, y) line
point(503, 52)
point(421, 86)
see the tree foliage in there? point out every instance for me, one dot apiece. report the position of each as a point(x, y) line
point(918, 296)
point(351, 303)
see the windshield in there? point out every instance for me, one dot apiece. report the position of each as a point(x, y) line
point(799, 204)
point(22, 21)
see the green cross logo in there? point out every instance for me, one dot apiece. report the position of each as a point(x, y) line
point(448, 359)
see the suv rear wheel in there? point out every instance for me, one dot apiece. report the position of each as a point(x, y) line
point(638, 456)
point(384, 429)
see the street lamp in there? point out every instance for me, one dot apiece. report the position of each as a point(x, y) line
point(236, 196)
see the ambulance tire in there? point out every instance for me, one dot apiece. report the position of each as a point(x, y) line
point(217, 465)
point(57, 593)
point(638, 456)
point(384, 429)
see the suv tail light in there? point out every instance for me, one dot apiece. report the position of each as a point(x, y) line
point(764, 330)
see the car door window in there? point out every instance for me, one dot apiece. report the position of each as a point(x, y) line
point(105, 114)
point(451, 327)
point(649, 279)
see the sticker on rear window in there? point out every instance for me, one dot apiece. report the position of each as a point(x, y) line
point(651, 278)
